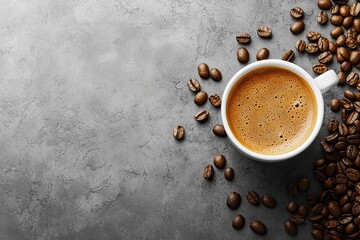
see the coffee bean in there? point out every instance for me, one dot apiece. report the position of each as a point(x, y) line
point(356, 25)
point(335, 9)
point(253, 197)
point(289, 56)
point(343, 129)
point(319, 175)
point(200, 98)
point(342, 78)
point(258, 227)
point(322, 18)
point(194, 85)
point(318, 226)
point(357, 108)
point(320, 68)
point(332, 47)
point(344, 10)
point(313, 36)
point(262, 54)
point(312, 199)
point(292, 207)
point(243, 38)
point(243, 55)
point(215, 100)
point(347, 104)
point(317, 234)
point(355, 9)
point(351, 33)
point(345, 66)
point(293, 190)
point(343, 115)
point(290, 227)
point(264, 32)
point(348, 21)
point(332, 223)
point(303, 210)
point(330, 170)
point(300, 45)
point(297, 219)
point(351, 151)
point(316, 218)
point(203, 70)
point(215, 74)
point(324, 4)
point(326, 147)
point(352, 118)
point(340, 189)
point(311, 48)
point(352, 78)
point(297, 27)
point(208, 172)
point(219, 130)
point(303, 184)
point(358, 40)
point(335, 105)
point(325, 57)
point(354, 57)
point(351, 43)
point(342, 54)
point(334, 208)
point(336, 32)
point(297, 12)
point(202, 116)
point(323, 44)
point(345, 219)
point(353, 139)
point(317, 209)
point(238, 222)
point(269, 201)
point(229, 174)
point(219, 161)
point(352, 174)
point(336, 20)
point(341, 41)
point(356, 209)
point(333, 124)
point(349, 95)
point(233, 200)
point(179, 132)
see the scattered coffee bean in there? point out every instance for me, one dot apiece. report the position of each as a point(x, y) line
point(253, 197)
point(290, 227)
point(215, 74)
point(229, 174)
point(325, 57)
point(179, 132)
point(351, 43)
point(200, 98)
point(264, 32)
point(233, 200)
point(336, 20)
point(324, 4)
point(297, 27)
point(292, 207)
point(258, 227)
point(341, 41)
point(322, 18)
point(194, 85)
point(334, 208)
point(320, 68)
point(219, 161)
point(342, 54)
point(238, 222)
point(313, 36)
point(203, 70)
point(336, 32)
point(219, 130)
point(342, 78)
point(323, 44)
point(289, 56)
point(262, 54)
point(303, 184)
point(202, 116)
point(345, 66)
point(297, 12)
point(332, 47)
point(300, 45)
point(335, 9)
point(354, 57)
point(348, 21)
point(269, 201)
point(311, 48)
point(208, 172)
point(243, 55)
point(333, 124)
point(215, 100)
point(243, 38)
point(293, 190)
point(355, 9)
point(349, 95)
point(352, 79)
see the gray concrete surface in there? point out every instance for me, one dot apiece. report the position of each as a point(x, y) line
point(89, 94)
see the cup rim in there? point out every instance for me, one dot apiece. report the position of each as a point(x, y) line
point(289, 66)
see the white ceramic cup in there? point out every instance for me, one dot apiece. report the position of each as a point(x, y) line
point(319, 85)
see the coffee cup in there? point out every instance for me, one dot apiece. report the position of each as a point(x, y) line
point(316, 87)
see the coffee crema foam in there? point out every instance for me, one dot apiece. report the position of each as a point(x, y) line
point(271, 110)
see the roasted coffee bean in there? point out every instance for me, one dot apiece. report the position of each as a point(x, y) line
point(303, 184)
point(345, 66)
point(229, 174)
point(343, 129)
point(335, 9)
point(352, 79)
point(238, 222)
point(319, 175)
point(269, 201)
point(202, 116)
point(243, 55)
point(179, 132)
point(351, 33)
point(194, 85)
point(341, 41)
point(333, 124)
point(347, 162)
point(352, 174)
point(208, 172)
point(322, 17)
point(356, 209)
point(324, 4)
point(264, 32)
point(340, 189)
point(351, 43)
point(352, 130)
point(313, 36)
point(219, 161)
point(350, 228)
point(258, 227)
point(345, 219)
point(243, 38)
point(311, 48)
point(215, 74)
point(354, 57)
point(342, 78)
point(357, 108)
point(351, 151)
point(355, 9)
point(353, 139)
point(317, 209)
point(289, 56)
point(341, 178)
point(316, 218)
point(303, 210)
point(292, 207)
point(200, 98)
point(233, 200)
point(332, 223)
point(349, 95)
point(215, 100)
point(336, 32)
point(323, 44)
point(336, 20)
point(297, 12)
point(329, 183)
point(342, 54)
point(293, 190)
point(320, 68)
point(319, 163)
point(300, 45)
point(357, 188)
point(297, 27)
point(332, 47)
point(253, 197)
point(317, 234)
point(317, 226)
point(340, 166)
point(219, 130)
point(352, 117)
point(325, 57)
point(344, 10)
point(334, 208)
point(262, 54)
point(330, 170)
point(290, 227)
point(297, 219)
point(358, 87)
point(356, 25)
point(348, 21)
point(203, 70)
point(343, 115)
point(340, 145)
point(332, 138)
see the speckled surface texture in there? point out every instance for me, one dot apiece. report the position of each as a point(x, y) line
point(89, 94)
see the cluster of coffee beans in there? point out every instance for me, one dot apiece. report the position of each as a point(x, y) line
point(219, 162)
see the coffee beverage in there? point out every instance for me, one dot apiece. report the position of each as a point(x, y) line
point(271, 110)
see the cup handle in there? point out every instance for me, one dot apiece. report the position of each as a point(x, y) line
point(326, 81)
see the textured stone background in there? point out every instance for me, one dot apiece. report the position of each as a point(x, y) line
point(89, 94)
